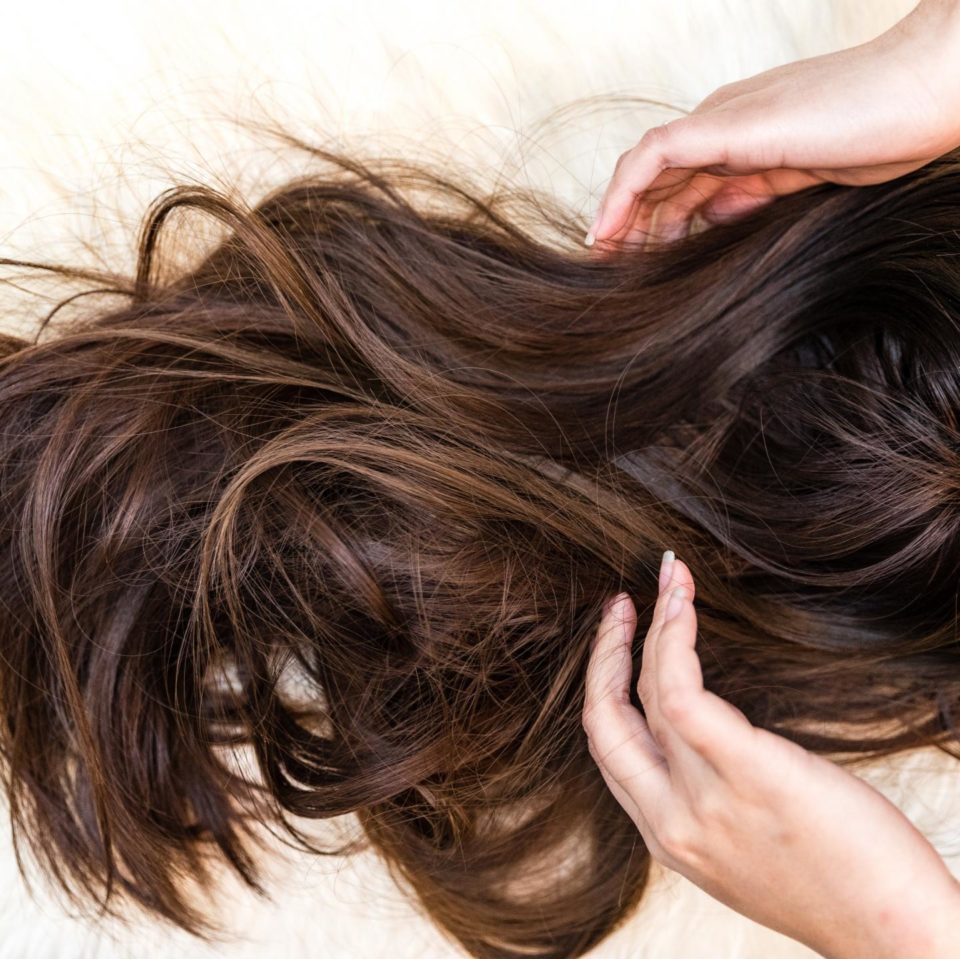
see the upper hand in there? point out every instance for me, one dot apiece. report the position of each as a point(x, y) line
point(859, 116)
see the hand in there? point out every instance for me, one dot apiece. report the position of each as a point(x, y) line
point(781, 835)
point(859, 116)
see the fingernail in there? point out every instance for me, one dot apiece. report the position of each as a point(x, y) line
point(591, 236)
point(666, 569)
point(677, 598)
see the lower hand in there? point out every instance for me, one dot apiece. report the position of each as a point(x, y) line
point(785, 837)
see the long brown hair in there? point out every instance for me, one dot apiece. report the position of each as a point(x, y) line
point(350, 488)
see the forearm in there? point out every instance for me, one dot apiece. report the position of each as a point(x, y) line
point(933, 26)
point(927, 44)
point(944, 13)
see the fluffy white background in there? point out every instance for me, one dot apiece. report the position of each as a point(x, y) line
point(107, 103)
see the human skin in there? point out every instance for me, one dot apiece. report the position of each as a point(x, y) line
point(859, 116)
point(742, 812)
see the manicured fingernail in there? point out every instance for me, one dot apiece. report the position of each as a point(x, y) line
point(591, 236)
point(677, 598)
point(666, 569)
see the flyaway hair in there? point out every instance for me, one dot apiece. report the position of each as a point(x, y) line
point(349, 488)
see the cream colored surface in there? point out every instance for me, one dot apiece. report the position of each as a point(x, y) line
point(107, 103)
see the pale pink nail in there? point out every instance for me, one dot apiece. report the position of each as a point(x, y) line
point(666, 569)
point(591, 236)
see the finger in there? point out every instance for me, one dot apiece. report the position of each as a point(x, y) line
point(664, 212)
point(668, 185)
point(674, 574)
point(732, 205)
point(712, 728)
point(741, 195)
point(691, 142)
point(669, 209)
point(619, 737)
point(634, 220)
point(705, 200)
point(667, 222)
point(614, 241)
point(671, 218)
point(623, 797)
point(641, 816)
point(607, 708)
point(636, 225)
point(678, 676)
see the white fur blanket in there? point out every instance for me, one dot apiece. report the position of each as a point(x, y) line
point(107, 101)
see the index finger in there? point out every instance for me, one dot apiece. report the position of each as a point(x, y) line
point(688, 143)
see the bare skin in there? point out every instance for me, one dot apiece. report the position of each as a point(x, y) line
point(783, 836)
point(858, 116)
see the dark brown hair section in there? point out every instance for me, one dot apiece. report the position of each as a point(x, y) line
point(396, 440)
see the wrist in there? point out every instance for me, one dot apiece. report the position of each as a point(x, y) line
point(926, 926)
point(944, 924)
point(927, 41)
point(931, 19)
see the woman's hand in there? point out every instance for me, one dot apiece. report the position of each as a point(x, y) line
point(859, 116)
point(781, 835)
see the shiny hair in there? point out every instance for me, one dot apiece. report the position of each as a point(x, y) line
point(349, 489)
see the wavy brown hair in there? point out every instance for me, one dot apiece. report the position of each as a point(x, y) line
point(349, 490)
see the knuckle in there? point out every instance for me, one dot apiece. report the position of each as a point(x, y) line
point(591, 716)
point(718, 96)
point(677, 706)
point(656, 139)
point(644, 689)
point(697, 737)
point(588, 718)
point(676, 839)
point(709, 810)
point(657, 851)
